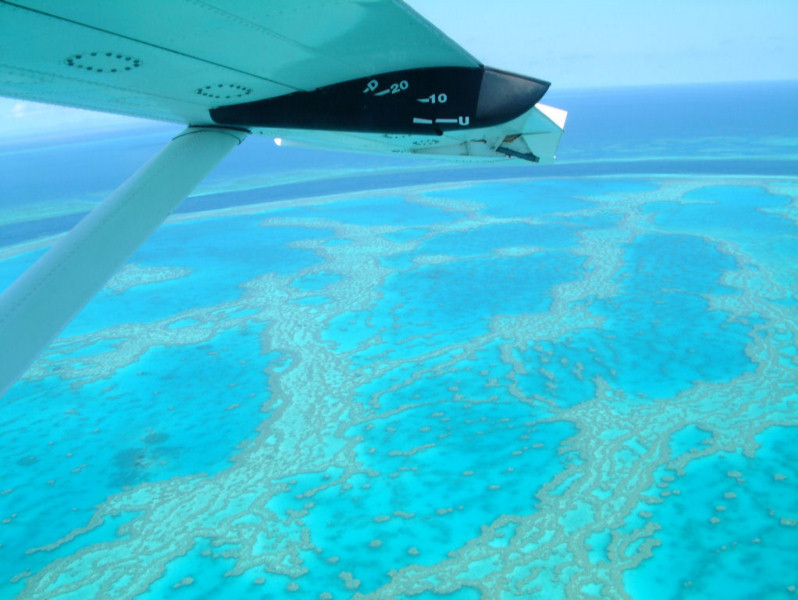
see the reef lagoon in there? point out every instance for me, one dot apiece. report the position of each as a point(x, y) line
point(332, 375)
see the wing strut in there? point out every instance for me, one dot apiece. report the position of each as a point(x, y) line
point(38, 305)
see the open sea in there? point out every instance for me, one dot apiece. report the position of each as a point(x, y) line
point(335, 376)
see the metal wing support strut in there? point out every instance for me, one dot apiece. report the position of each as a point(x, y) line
point(38, 305)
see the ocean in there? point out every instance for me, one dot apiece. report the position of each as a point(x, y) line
point(334, 375)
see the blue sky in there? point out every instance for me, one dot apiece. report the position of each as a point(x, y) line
point(590, 43)
point(573, 44)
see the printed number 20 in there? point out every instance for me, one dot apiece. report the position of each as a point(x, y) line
point(397, 87)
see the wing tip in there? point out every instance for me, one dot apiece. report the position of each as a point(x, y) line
point(557, 116)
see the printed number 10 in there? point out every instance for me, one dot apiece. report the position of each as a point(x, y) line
point(439, 98)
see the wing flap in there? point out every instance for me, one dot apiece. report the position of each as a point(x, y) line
point(534, 135)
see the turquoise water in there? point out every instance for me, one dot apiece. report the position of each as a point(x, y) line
point(558, 380)
point(745, 502)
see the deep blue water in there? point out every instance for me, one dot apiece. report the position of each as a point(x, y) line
point(668, 129)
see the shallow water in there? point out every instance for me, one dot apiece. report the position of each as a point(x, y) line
point(580, 385)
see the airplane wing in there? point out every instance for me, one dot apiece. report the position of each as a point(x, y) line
point(374, 71)
point(366, 75)
point(175, 60)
